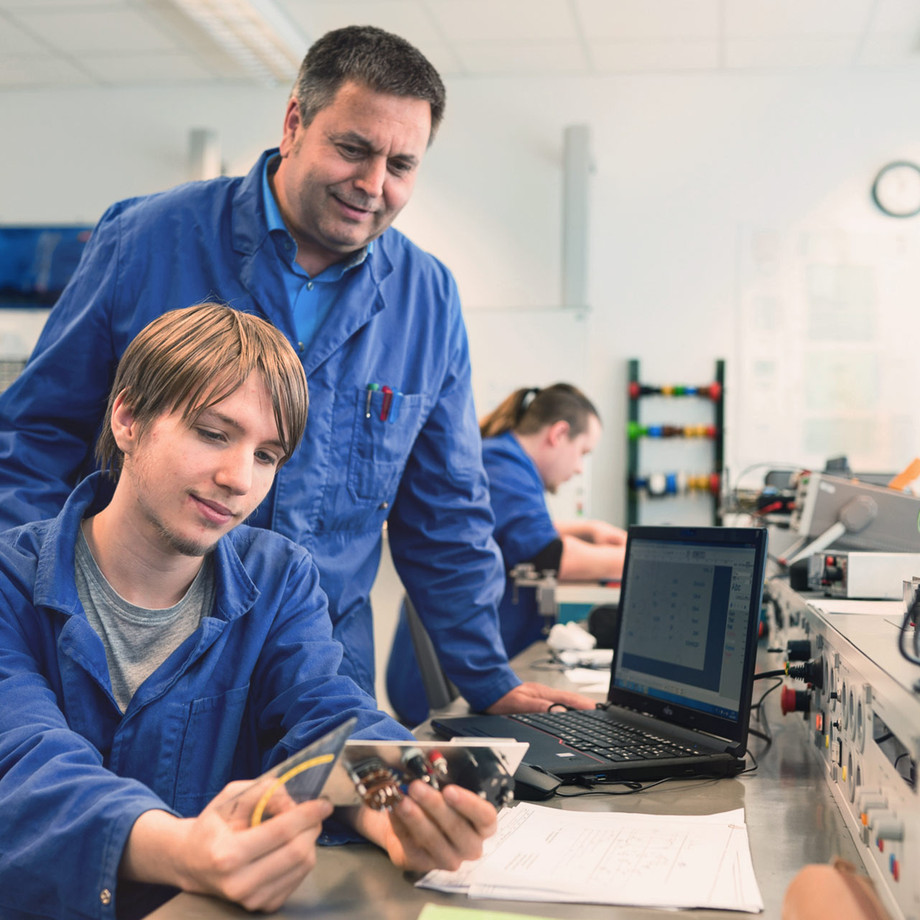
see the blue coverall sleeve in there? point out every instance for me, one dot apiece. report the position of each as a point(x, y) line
point(66, 818)
point(298, 691)
point(523, 525)
point(49, 417)
point(296, 688)
point(440, 533)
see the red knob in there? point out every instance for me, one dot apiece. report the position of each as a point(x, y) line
point(792, 700)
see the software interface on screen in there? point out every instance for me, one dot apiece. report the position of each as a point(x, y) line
point(685, 612)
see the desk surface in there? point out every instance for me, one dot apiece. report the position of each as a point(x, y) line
point(791, 816)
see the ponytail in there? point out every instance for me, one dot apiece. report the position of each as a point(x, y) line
point(529, 409)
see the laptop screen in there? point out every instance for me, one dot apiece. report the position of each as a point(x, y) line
point(689, 615)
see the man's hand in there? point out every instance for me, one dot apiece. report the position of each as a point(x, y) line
point(602, 533)
point(533, 697)
point(430, 829)
point(257, 867)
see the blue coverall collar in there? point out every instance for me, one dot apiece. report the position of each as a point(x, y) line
point(250, 235)
point(55, 583)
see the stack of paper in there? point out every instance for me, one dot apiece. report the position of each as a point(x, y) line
point(673, 861)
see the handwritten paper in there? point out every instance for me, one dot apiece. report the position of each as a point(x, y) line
point(672, 861)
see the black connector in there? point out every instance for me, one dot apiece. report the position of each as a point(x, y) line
point(812, 672)
point(798, 649)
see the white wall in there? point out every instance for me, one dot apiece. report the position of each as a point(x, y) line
point(689, 170)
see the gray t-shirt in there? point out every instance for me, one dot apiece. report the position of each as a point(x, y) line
point(137, 640)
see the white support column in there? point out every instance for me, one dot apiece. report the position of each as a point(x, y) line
point(577, 169)
point(203, 154)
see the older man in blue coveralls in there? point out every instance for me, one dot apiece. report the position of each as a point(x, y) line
point(305, 241)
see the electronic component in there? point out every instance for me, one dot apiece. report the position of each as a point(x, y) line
point(865, 575)
point(298, 779)
point(861, 722)
point(378, 773)
point(378, 785)
point(846, 514)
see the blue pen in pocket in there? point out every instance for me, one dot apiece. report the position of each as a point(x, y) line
point(394, 406)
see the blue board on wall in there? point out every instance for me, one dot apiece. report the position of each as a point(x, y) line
point(36, 262)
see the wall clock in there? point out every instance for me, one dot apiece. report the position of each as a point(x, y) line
point(896, 189)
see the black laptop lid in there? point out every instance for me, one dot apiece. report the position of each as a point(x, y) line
point(689, 620)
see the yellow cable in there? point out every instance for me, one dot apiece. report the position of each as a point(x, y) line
point(281, 780)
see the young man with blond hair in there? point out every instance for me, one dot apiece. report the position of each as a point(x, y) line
point(153, 651)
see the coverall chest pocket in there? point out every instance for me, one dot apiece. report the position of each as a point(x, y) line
point(386, 425)
point(208, 748)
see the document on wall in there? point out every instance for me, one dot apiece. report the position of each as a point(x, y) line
point(669, 861)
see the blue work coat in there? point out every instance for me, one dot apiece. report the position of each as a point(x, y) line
point(523, 527)
point(396, 322)
point(252, 685)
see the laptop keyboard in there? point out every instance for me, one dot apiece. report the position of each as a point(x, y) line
point(601, 737)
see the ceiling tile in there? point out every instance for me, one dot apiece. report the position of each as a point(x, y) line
point(95, 29)
point(408, 18)
point(134, 41)
point(776, 18)
point(897, 16)
point(134, 69)
point(646, 19)
point(521, 59)
point(653, 56)
point(26, 6)
point(512, 21)
point(789, 53)
point(19, 71)
point(14, 40)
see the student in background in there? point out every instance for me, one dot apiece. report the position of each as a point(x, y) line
point(152, 651)
point(532, 443)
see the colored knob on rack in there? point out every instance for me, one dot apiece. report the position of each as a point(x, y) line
point(657, 484)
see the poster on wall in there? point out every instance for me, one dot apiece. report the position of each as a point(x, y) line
point(827, 354)
point(36, 262)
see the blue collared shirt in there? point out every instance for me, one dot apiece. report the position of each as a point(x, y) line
point(310, 298)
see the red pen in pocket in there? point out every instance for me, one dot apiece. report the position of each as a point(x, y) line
point(387, 402)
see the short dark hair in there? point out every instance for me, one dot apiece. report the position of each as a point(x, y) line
point(381, 61)
point(192, 358)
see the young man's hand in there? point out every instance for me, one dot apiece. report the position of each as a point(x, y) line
point(430, 829)
point(257, 867)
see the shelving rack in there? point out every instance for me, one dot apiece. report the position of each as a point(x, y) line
point(674, 483)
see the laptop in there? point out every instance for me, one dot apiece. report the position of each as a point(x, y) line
point(682, 672)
